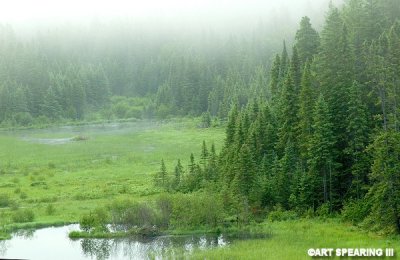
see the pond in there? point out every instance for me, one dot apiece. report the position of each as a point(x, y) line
point(54, 243)
point(58, 135)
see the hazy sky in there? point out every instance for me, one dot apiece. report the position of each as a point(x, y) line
point(17, 11)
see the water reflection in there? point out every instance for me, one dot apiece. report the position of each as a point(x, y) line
point(96, 248)
point(25, 233)
point(53, 243)
point(157, 248)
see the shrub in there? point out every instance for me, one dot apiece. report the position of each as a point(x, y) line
point(87, 222)
point(94, 221)
point(165, 206)
point(126, 215)
point(278, 214)
point(206, 120)
point(355, 211)
point(23, 118)
point(323, 210)
point(23, 215)
point(134, 112)
point(196, 209)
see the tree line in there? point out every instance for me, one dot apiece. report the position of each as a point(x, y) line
point(120, 70)
point(325, 139)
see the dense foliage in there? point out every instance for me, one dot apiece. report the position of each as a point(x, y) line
point(126, 70)
point(326, 137)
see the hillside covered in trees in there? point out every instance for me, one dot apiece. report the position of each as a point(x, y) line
point(119, 69)
point(325, 137)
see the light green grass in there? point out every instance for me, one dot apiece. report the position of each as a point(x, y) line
point(292, 239)
point(115, 162)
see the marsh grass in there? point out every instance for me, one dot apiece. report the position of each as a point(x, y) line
point(115, 161)
point(291, 239)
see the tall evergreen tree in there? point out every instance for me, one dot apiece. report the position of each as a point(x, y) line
point(161, 177)
point(321, 156)
point(305, 112)
point(288, 116)
point(384, 194)
point(307, 40)
point(357, 131)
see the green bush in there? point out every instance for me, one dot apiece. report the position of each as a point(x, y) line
point(23, 215)
point(323, 210)
point(206, 120)
point(126, 214)
point(355, 211)
point(23, 118)
point(196, 210)
point(278, 214)
point(165, 206)
point(95, 221)
point(87, 222)
point(134, 112)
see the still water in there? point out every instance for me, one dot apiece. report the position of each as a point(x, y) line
point(53, 243)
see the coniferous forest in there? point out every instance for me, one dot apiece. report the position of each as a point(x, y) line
point(323, 137)
point(254, 134)
point(118, 70)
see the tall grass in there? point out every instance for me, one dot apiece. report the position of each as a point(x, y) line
point(113, 162)
point(291, 240)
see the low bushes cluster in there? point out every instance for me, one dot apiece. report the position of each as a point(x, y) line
point(186, 211)
point(282, 215)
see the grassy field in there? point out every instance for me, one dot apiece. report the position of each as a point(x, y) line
point(59, 179)
point(292, 239)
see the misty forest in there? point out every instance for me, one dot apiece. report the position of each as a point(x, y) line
point(284, 130)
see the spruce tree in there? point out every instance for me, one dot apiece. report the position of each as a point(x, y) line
point(357, 131)
point(384, 194)
point(288, 116)
point(161, 177)
point(178, 175)
point(274, 79)
point(246, 170)
point(204, 154)
point(307, 40)
point(231, 126)
point(305, 113)
point(321, 153)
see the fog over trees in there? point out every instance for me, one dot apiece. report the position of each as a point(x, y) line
point(307, 90)
point(74, 61)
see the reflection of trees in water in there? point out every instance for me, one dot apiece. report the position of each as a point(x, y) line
point(100, 248)
point(3, 247)
point(168, 247)
point(25, 233)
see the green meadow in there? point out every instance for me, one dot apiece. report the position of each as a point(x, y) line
point(292, 239)
point(61, 173)
point(60, 178)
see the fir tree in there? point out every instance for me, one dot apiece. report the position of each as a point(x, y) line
point(384, 194)
point(305, 113)
point(357, 131)
point(320, 153)
point(307, 40)
point(178, 175)
point(161, 178)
